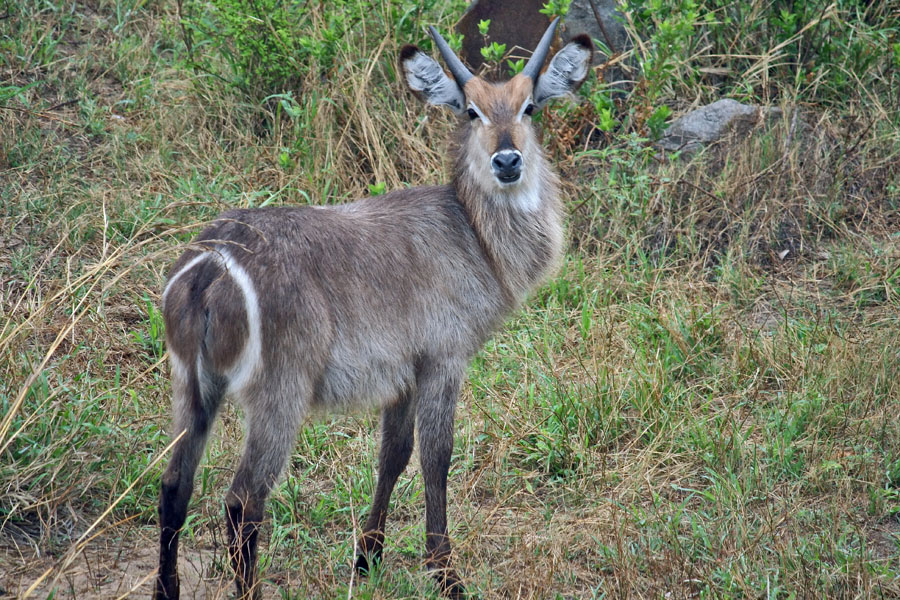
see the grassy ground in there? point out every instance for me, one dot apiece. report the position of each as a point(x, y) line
point(703, 404)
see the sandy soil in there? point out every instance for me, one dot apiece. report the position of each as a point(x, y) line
point(108, 569)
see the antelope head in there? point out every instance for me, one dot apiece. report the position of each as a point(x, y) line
point(499, 150)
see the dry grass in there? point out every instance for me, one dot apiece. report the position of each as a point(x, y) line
point(703, 404)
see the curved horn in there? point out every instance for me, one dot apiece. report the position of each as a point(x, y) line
point(533, 68)
point(459, 71)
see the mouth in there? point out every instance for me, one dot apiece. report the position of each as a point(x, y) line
point(506, 179)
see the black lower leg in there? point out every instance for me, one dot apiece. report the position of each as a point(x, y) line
point(194, 412)
point(243, 537)
point(396, 447)
point(438, 562)
point(435, 424)
point(370, 548)
point(175, 493)
point(270, 436)
point(172, 513)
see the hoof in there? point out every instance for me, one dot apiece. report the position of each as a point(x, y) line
point(451, 586)
point(166, 588)
point(369, 557)
point(362, 564)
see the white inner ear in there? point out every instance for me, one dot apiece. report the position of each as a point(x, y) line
point(481, 116)
point(567, 69)
point(425, 75)
point(522, 108)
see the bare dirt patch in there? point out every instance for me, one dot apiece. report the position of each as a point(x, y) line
point(110, 568)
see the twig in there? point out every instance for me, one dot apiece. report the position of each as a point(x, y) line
point(699, 189)
point(63, 104)
point(606, 37)
point(860, 138)
point(38, 114)
point(185, 34)
point(790, 137)
point(764, 62)
point(136, 586)
point(805, 51)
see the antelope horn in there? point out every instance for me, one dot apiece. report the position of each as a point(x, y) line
point(459, 71)
point(533, 68)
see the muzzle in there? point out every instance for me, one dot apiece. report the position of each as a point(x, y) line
point(507, 166)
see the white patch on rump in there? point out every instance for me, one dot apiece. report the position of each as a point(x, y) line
point(176, 364)
point(245, 366)
point(179, 369)
point(184, 269)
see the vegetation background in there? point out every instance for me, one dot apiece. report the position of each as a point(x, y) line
point(703, 404)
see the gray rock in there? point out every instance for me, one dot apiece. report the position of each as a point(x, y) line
point(519, 24)
point(604, 25)
point(608, 29)
point(711, 123)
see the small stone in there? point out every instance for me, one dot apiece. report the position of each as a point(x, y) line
point(710, 123)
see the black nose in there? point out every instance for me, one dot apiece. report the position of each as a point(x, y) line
point(507, 166)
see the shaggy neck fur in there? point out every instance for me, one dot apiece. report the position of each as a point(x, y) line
point(520, 225)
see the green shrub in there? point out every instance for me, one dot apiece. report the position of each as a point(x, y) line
point(268, 47)
point(266, 52)
point(821, 51)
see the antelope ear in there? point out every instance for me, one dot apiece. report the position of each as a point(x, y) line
point(427, 80)
point(567, 71)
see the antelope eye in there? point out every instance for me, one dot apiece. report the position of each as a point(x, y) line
point(473, 114)
point(529, 109)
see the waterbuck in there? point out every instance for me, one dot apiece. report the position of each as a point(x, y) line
point(380, 302)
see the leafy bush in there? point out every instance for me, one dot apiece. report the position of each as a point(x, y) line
point(266, 53)
point(261, 41)
point(271, 46)
point(820, 51)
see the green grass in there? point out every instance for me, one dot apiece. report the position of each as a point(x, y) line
point(703, 403)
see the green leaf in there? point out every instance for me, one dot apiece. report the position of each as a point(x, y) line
point(493, 52)
point(11, 91)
